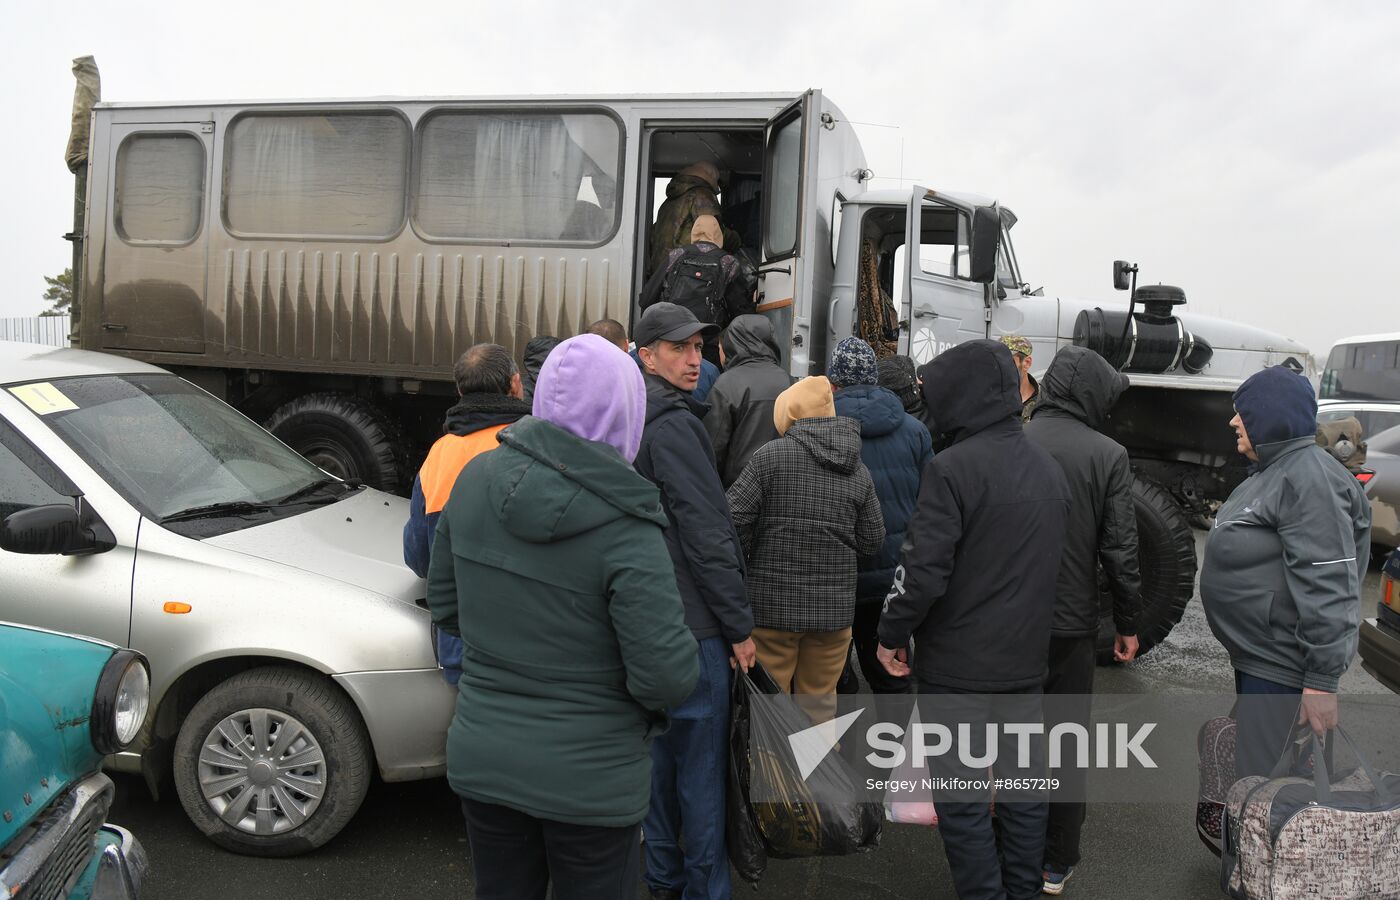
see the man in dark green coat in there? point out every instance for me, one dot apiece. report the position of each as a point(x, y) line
point(549, 562)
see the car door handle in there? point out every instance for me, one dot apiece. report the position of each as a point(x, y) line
point(925, 312)
point(113, 326)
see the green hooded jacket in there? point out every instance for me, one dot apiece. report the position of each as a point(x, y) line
point(549, 562)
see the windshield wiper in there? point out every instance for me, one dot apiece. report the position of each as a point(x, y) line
point(309, 489)
point(229, 508)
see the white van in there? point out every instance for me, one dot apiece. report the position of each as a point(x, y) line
point(1365, 367)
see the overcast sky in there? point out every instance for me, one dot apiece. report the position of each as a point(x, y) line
point(1249, 152)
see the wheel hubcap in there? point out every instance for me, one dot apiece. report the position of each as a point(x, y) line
point(262, 771)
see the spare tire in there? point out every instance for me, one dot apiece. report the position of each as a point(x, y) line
point(1167, 559)
point(346, 436)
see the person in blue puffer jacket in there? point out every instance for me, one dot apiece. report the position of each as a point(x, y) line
point(895, 447)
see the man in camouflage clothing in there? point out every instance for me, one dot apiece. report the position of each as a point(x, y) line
point(1030, 389)
point(694, 192)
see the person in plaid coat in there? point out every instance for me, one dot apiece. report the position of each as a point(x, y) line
point(806, 510)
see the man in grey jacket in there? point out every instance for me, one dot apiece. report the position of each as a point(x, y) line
point(740, 419)
point(1077, 393)
point(1281, 581)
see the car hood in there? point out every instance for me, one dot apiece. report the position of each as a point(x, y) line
point(47, 682)
point(355, 540)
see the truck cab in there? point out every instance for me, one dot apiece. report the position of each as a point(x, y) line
point(965, 283)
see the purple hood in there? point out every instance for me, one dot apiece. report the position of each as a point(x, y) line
point(591, 389)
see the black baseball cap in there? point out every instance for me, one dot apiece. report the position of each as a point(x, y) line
point(669, 322)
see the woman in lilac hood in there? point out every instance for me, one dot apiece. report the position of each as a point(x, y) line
point(586, 388)
point(550, 564)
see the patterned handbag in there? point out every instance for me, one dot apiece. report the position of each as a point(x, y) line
point(1215, 746)
point(1294, 838)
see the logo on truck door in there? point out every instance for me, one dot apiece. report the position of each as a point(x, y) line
point(926, 346)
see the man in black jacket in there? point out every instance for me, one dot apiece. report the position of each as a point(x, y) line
point(1076, 394)
point(976, 589)
point(740, 419)
point(684, 828)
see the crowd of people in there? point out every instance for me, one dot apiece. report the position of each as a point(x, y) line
point(603, 555)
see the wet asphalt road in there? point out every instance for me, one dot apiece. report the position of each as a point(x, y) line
point(407, 841)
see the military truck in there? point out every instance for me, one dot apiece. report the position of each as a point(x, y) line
point(320, 264)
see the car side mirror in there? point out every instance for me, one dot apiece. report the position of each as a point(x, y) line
point(986, 240)
point(54, 529)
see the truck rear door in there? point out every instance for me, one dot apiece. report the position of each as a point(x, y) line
point(154, 267)
point(789, 227)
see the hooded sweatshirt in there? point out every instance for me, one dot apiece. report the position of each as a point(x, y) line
point(895, 447)
point(740, 419)
point(676, 456)
point(536, 352)
point(1076, 394)
point(1281, 580)
point(976, 581)
point(806, 510)
point(551, 564)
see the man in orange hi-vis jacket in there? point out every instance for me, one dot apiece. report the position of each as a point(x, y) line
point(489, 399)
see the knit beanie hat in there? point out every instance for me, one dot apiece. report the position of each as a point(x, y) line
point(852, 362)
point(809, 398)
point(896, 374)
point(1276, 404)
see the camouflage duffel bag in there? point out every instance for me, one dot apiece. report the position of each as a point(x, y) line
point(1313, 838)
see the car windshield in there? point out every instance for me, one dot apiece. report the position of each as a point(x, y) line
point(169, 448)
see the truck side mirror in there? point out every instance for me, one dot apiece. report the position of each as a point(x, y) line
point(986, 240)
point(1122, 269)
point(50, 530)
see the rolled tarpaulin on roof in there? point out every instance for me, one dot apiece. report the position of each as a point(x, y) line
point(85, 95)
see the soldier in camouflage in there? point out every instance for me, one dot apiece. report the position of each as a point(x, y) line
point(1030, 390)
point(694, 192)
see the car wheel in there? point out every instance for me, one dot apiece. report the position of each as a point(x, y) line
point(272, 762)
point(344, 435)
point(1167, 560)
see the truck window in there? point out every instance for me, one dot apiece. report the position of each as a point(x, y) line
point(328, 175)
point(944, 245)
point(944, 248)
point(159, 188)
point(784, 181)
point(492, 176)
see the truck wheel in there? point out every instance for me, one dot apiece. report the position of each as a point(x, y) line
point(344, 435)
point(1167, 558)
point(272, 762)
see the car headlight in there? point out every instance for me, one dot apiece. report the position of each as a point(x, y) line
point(120, 704)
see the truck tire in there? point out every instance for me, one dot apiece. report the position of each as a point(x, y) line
point(1167, 559)
point(272, 762)
point(346, 436)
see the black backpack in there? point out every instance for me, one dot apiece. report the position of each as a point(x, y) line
point(696, 282)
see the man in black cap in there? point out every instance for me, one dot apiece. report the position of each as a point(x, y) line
point(685, 853)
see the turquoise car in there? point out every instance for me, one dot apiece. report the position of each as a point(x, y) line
point(65, 703)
